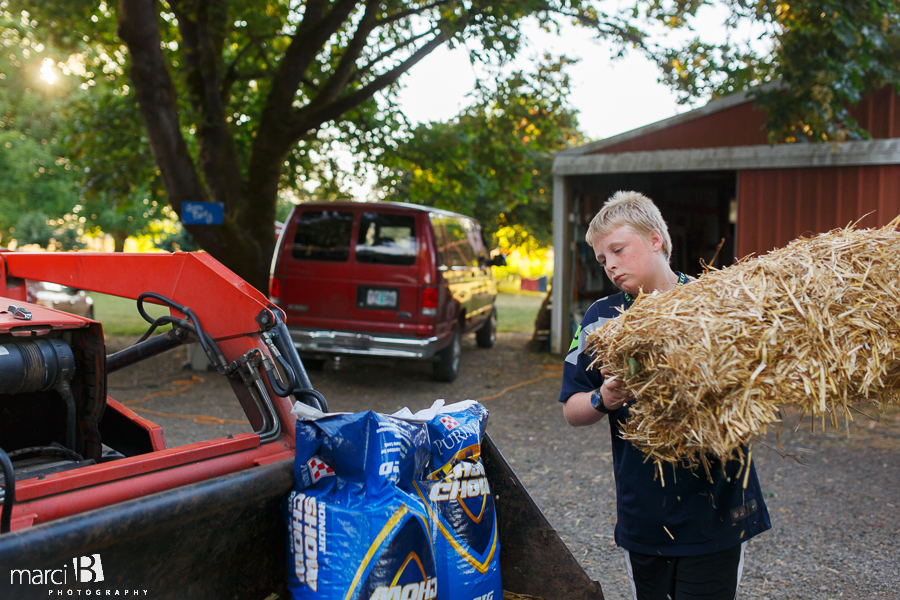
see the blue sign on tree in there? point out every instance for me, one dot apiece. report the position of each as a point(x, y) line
point(202, 213)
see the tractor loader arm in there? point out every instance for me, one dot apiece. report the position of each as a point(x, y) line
point(226, 304)
point(236, 318)
point(74, 448)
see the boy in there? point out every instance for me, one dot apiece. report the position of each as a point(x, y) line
point(684, 539)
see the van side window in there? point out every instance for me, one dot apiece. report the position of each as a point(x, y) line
point(323, 235)
point(440, 240)
point(386, 239)
point(459, 249)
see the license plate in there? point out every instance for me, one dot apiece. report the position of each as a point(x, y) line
point(382, 298)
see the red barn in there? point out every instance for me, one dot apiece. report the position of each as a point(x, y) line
point(715, 177)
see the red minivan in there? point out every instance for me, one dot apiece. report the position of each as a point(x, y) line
point(384, 279)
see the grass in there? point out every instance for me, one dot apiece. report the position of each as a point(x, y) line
point(120, 315)
point(517, 312)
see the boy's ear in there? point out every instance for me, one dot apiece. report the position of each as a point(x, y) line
point(656, 240)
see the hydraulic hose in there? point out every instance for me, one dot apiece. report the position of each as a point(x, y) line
point(289, 373)
point(191, 323)
point(283, 389)
point(282, 339)
point(290, 388)
point(316, 396)
point(278, 340)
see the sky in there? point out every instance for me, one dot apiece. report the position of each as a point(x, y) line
point(611, 96)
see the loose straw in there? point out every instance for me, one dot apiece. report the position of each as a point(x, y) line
point(815, 325)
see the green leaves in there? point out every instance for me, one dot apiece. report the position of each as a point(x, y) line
point(34, 228)
point(74, 157)
point(265, 97)
point(830, 54)
point(32, 182)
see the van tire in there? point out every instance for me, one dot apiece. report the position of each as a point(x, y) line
point(447, 366)
point(487, 334)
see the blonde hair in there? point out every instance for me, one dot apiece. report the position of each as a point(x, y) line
point(634, 210)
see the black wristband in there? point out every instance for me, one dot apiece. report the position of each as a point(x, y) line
point(597, 402)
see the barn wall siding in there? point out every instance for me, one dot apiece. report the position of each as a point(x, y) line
point(879, 114)
point(776, 206)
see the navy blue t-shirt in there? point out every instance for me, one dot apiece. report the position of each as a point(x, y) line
point(687, 516)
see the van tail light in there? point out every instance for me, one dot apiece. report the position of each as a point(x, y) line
point(429, 301)
point(275, 290)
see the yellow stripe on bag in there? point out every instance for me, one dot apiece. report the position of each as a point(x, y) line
point(481, 567)
point(391, 524)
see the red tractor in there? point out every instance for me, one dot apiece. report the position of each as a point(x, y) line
point(95, 503)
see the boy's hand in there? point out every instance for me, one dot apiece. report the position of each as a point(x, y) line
point(613, 390)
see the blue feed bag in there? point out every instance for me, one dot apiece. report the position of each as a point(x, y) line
point(353, 533)
point(380, 552)
point(390, 508)
point(460, 507)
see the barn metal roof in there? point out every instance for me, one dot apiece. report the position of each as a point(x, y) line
point(594, 158)
point(873, 152)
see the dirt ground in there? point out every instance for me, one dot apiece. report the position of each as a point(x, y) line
point(834, 499)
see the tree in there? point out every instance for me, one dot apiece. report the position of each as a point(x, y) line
point(825, 55)
point(495, 160)
point(34, 228)
point(258, 84)
point(121, 192)
point(33, 184)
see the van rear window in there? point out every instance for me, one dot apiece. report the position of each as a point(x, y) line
point(386, 239)
point(323, 235)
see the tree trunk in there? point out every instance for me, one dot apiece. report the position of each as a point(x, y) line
point(119, 238)
point(245, 241)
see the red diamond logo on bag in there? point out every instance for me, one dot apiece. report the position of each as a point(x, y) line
point(449, 422)
point(319, 469)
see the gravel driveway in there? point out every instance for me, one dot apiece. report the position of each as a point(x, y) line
point(834, 499)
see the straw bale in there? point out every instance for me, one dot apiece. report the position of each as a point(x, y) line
point(815, 324)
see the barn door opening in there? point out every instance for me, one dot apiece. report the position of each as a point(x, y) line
point(698, 207)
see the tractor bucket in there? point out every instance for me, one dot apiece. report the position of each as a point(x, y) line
point(225, 538)
point(533, 559)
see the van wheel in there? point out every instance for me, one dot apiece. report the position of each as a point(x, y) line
point(487, 335)
point(447, 366)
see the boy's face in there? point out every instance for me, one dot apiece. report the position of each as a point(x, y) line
point(631, 261)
